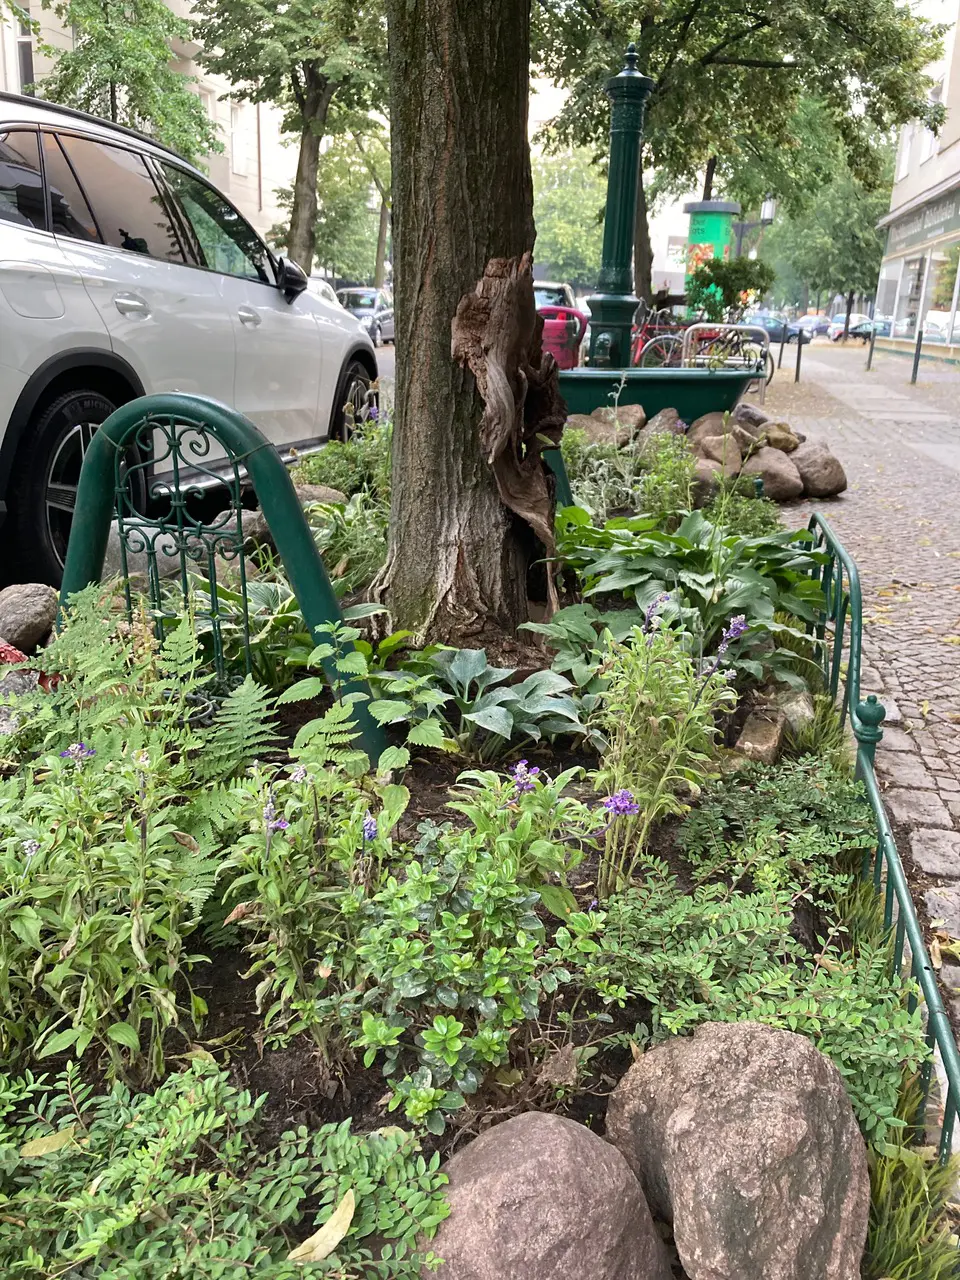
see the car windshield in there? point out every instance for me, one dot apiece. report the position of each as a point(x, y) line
point(550, 297)
point(358, 300)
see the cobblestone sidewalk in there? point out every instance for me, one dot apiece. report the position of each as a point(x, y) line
point(900, 519)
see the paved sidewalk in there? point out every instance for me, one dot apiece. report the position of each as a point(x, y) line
point(900, 519)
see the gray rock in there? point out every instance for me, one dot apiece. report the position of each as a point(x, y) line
point(746, 442)
point(724, 450)
point(626, 415)
point(311, 493)
point(743, 1137)
point(797, 708)
point(761, 738)
point(706, 481)
point(542, 1198)
point(820, 471)
point(255, 530)
point(779, 435)
point(12, 686)
point(936, 851)
point(665, 420)
point(599, 430)
point(715, 423)
point(895, 739)
point(750, 416)
point(28, 611)
point(781, 479)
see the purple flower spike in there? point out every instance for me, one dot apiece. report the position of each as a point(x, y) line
point(621, 804)
point(373, 413)
point(270, 817)
point(299, 774)
point(523, 777)
point(653, 609)
point(369, 826)
point(78, 752)
point(736, 628)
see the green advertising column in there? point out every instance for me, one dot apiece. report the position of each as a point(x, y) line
point(711, 231)
point(613, 307)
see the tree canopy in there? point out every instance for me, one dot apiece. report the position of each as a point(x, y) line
point(569, 192)
point(119, 68)
point(300, 56)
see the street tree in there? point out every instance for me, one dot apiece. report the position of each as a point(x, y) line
point(119, 67)
point(469, 486)
point(834, 245)
point(724, 74)
point(301, 56)
point(569, 192)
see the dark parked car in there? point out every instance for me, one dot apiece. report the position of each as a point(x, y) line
point(863, 329)
point(815, 326)
point(775, 325)
point(373, 308)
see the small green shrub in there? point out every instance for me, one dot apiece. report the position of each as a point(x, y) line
point(352, 540)
point(743, 513)
point(911, 1234)
point(173, 1186)
point(666, 491)
point(359, 463)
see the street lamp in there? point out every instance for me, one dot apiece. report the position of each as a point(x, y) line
point(768, 211)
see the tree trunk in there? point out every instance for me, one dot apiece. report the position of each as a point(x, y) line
point(846, 319)
point(379, 273)
point(462, 196)
point(708, 178)
point(314, 103)
point(804, 298)
point(642, 248)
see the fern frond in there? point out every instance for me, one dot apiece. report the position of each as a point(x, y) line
point(241, 731)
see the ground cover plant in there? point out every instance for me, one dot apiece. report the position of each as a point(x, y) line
point(551, 867)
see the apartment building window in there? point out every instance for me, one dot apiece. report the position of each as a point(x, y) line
point(903, 152)
point(238, 141)
point(206, 101)
point(25, 52)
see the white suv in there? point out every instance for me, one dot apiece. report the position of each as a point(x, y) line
point(124, 272)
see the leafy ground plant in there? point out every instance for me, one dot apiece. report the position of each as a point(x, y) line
point(173, 1184)
point(911, 1234)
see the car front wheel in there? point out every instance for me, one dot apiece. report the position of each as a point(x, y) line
point(48, 473)
point(351, 399)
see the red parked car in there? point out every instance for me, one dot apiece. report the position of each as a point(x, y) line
point(563, 324)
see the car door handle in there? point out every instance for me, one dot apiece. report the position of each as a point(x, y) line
point(129, 304)
point(249, 316)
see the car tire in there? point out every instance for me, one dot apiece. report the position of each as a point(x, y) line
point(355, 381)
point(45, 480)
point(377, 337)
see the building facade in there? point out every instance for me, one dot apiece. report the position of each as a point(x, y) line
point(919, 285)
point(258, 159)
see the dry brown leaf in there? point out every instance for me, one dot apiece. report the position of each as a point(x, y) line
point(323, 1242)
point(51, 1142)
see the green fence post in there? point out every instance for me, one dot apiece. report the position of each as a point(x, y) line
point(613, 308)
point(246, 446)
point(866, 726)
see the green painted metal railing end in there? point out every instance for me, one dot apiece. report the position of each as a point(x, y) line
point(102, 483)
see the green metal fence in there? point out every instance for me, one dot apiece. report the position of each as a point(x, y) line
point(841, 630)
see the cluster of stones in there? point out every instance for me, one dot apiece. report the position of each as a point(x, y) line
point(746, 442)
point(739, 1143)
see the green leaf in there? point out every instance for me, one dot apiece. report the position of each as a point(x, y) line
point(58, 1043)
point(429, 733)
point(123, 1033)
point(558, 900)
point(389, 710)
point(393, 758)
point(497, 719)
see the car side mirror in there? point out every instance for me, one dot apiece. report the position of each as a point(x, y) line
point(291, 279)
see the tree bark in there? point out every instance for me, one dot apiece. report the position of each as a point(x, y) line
point(846, 319)
point(314, 99)
point(379, 271)
point(642, 248)
point(708, 178)
point(462, 196)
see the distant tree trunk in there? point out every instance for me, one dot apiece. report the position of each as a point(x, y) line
point(846, 319)
point(462, 198)
point(313, 97)
point(380, 270)
point(708, 178)
point(805, 298)
point(642, 248)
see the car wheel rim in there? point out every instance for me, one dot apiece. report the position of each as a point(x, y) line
point(60, 488)
point(357, 396)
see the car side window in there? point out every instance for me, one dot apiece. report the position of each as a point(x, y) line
point(70, 212)
point(21, 186)
point(123, 195)
point(226, 242)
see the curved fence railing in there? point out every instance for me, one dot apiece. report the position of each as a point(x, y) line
point(841, 630)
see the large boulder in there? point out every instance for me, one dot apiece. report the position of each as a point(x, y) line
point(746, 441)
point(28, 611)
point(599, 430)
point(542, 1198)
point(750, 416)
point(743, 1137)
point(706, 481)
point(820, 471)
point(781, 479)
point(780, 435)
point(665, 420)
point(722, 449)
point(627, 415)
